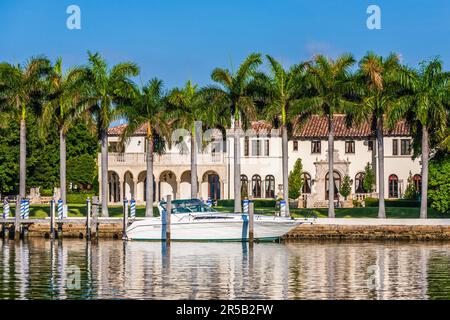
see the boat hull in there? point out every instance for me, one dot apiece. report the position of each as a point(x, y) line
point(234, 230)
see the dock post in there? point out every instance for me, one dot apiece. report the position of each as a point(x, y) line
point(168, 214)
point(17, 219)
point(88, 219)
point(60, 217)
point(94, 231)
point(251, 218)
point(125, 219)
point(52, 219)
point(5, 215)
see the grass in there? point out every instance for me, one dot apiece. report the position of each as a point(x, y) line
point(349, 212)
point(79, 210)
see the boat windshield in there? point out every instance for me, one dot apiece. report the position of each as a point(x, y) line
point(187, 206)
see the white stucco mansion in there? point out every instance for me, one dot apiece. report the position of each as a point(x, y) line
point(261, 165)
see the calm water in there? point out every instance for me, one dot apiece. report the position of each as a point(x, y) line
point(40, 269)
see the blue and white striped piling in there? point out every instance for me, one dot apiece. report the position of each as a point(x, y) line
point(283, 207)
point(245, 205)
point(6, 209)
point(60, 210)
point(133, 209)
point(24, 209)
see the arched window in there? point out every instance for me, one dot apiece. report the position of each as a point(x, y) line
point(359, 183)
point(256, 186)
point(270, 186)
point(393, 186)
point(244, 186)
point(337, 185)
point(417, 179)
point(306, 188)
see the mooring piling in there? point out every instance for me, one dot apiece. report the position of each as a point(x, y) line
point(88, 219)
point(94, 227)
point(52, 219)
point(17, 219)
point(251, 218)
point(125, 219)
point(168, 214)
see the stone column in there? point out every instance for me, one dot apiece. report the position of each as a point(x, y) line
point(134, 192)
point(118, 186)
point(157, 196)
point(178, 191)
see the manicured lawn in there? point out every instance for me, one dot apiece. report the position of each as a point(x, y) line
point(80, 210)
point(349, 212)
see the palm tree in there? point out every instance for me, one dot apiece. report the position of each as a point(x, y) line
point(148, 107)
point(331, 88)
point(381, 80)
point(425, 110)
point(279, 91)
point(61, 109)
point(232, 93)
point(186, 100)
point(104, 89)
point(20, 88)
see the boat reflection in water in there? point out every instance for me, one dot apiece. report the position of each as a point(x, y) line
point(39, 269)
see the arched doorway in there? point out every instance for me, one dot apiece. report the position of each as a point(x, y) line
point(256, 186)
point(393, 186)
point(244, 186)
point(167, 185)
point(128, 186)
point(359, 183)
point(337, 185)
point(142, 186)
point(114, 187)
point(211, 181)
point(306, 187)
point(185, 185)
point(270, 187)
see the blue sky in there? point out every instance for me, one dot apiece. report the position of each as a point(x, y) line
point(179, 40)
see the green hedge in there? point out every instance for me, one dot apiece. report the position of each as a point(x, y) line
point(78, 198)
point(397, 203)
point(259, 203)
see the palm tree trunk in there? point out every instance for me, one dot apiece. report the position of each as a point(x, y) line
point(331, 213)
point(237, 168)
point(194, 191)
point(104, 159)
point(425, 157)
point(149, 179)
point(62, 165)
point(22, 171)
point(284, 151)
point(380, 146)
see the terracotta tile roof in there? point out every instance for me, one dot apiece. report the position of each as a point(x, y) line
point(317, 127)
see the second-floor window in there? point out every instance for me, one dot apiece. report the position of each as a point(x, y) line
point(395, 147)
point(267, 148)
point(256, 148)
point(349, 146)
point(370, 145)
point(246, 147)
point(295, 145)
point(406, 147)
point(315, 146)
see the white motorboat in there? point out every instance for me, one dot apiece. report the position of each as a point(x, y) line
point(192, 220)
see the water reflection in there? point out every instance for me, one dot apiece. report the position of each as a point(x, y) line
point(40, 269)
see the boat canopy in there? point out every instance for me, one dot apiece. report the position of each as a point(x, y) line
point(187, 206)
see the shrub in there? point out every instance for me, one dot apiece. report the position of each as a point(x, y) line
point(439, 185)
point(346, 187)
point(397, 203)
point(295, 180)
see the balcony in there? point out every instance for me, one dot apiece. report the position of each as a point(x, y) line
point(168, 159)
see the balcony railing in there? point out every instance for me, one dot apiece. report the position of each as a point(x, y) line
point(165, 159)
